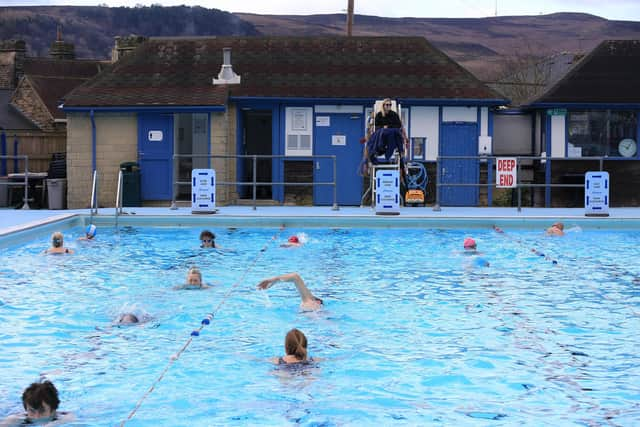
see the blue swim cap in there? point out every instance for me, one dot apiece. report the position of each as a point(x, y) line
point(91, 230)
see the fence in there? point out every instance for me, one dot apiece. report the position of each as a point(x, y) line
point(254, 183)
point(489, 184)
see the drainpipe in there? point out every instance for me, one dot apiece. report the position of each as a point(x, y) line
point(15, 153)
point(3, 152)
point(93, 141)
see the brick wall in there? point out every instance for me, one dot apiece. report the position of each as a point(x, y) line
point(12, 53)
point(223, 137)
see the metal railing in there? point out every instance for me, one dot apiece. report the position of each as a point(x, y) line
point(254, 183)
point(519, 185)
point(118, 197)
point(93, 204)
point(8, 183)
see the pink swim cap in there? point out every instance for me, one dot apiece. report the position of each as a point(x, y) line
point(294, 239)
point(469, 243)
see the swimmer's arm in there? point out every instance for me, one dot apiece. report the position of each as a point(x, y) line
point(305, 294)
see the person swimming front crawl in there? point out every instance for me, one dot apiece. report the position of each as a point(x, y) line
point(309, 302)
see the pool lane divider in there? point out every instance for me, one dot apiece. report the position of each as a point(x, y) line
point(196, 332)
point(534, 250)
point(555, 262)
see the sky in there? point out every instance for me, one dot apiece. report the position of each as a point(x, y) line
point(628, 10)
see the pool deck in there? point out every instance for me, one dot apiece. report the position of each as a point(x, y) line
point(13, 220)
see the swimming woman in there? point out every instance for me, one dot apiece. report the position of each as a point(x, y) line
point(309, 302)
point(57, 245)
point(194, 280)
point(295, 347)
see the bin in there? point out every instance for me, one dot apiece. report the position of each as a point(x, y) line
point(130, 184)
point(4, 192)
point(57, 190)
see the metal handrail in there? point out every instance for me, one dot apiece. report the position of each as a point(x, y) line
point(118, 197)
point(254, 183)
point(519, 185)
point(93, 204)
point(25, 206)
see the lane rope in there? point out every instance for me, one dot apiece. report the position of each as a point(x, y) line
point(196, 332)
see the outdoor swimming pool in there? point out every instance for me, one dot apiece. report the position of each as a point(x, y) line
point(413, 331)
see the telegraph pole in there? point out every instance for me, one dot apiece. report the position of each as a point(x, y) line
point(350, 18)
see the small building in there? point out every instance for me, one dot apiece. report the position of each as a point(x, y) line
point(285, 97)
point(30, 91)
point(588, 119)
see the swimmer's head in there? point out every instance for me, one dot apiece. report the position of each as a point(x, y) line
point(40, 400)
point(294, 239)
point(470, 244)
point(207, 239)
point(194, 277)
point(57, 240)
point(91, 231)
point(558, 225)
point(127, 318)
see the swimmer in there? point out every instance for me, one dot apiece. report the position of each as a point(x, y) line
point(292, 242)
point(128, 319)
point(295, 347)
point(557, 229)
point(309, 302)
point(40, 401)
point(57, 245)
point(471, 248)
point(208, 240)
point(194, 280)
point(90, 233)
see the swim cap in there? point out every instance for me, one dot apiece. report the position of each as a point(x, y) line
point(91, 230)
point(469, 243)
point(294, 239)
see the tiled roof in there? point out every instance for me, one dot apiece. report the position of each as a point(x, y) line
point(11, 119)
point(53, 78)
point(179, 71)
point(608, 75)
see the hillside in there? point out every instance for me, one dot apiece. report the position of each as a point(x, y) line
point(481, 45)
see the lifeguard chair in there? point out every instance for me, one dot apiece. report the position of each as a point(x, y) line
point(383, 162)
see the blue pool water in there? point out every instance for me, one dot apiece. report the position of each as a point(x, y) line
point(413, 331)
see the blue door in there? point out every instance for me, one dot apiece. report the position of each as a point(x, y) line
point(459, 139)
point(155, 152)
point(339, 135)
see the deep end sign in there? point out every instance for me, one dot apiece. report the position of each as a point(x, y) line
point(506, 172)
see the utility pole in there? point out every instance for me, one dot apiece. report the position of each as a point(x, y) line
point(350, 18)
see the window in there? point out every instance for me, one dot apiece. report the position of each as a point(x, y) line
point(599, 132)
point(299, 133)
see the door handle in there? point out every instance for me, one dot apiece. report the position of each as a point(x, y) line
point(443, 172)
point(317, 165)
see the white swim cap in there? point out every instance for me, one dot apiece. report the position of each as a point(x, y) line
point(91, 230)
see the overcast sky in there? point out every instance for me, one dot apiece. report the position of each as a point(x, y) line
point(611, 9)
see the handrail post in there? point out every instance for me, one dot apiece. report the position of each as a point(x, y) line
point(93, 204)
point(119, 194)
point(335, 183)
point(436, 207)
point(255, 172)
point(26, 183)
point(174, 177)
point(518, 184)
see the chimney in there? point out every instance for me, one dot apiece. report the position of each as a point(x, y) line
point(12, 53)
point(226, 76)
point(350, 18)
point(60, 49)
point(125, 45)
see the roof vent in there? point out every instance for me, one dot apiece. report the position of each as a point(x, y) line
point(226, 76)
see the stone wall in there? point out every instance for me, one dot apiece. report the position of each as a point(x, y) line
point(117, 142)
point(26, 100)
point(12, 53)
point(223, 137)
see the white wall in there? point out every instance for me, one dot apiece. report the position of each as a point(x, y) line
point(424, 124)
point(460, 114)
point(558, 136)
point(484, 121)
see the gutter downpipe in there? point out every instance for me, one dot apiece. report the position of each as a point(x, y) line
point(93, 140)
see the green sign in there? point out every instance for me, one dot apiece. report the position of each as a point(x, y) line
point(557, 112)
